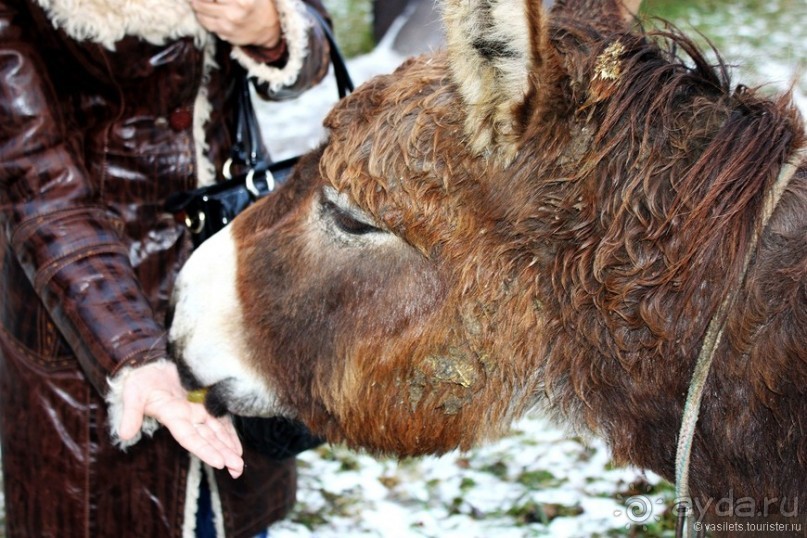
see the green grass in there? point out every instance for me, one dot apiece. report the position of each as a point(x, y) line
point(675, 8)
point(353, 25)
point(756, 29)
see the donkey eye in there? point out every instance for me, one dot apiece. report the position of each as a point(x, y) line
point(347, 222)
point(343, 214)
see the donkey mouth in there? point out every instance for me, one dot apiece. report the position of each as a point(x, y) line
point(215, 397)
point(198, 392)
point(214, 400)
point(225, 396)
point(205, 396)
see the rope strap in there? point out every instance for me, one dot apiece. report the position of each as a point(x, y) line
point(714, 335)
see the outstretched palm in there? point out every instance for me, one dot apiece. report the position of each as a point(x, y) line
point(154, 390)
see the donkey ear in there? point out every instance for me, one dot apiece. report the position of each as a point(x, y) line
point(493, 48)
point(501, 60)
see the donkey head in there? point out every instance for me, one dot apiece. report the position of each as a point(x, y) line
point(403, 291)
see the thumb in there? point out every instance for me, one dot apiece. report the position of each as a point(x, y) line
point(132, 414)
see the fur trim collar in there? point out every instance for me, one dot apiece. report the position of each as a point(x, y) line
point(157, 21)
point(108, 21)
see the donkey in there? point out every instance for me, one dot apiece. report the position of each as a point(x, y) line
point(548, 214)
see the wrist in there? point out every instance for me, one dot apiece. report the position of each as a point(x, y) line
point(271, 39)
point(267, 55)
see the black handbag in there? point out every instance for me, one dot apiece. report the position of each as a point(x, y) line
point(207, 210)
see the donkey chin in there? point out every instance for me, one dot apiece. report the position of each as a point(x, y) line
point(204, 335)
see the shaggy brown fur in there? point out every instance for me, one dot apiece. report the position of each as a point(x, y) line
point(571, 260)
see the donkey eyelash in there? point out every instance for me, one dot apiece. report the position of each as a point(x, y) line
point(345, 222)
point(346, 218)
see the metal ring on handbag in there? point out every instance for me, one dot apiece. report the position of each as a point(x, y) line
point(198, 225)
point(250, 183)
point(225, 170)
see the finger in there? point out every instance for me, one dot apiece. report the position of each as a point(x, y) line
point(222, 427)
point(231, 459)
point(224, 430)
point(235, 474)
point(207, 5)
point(190, 438)
point(215, 434)
point(220, 26)
point(219, 11)
point(219, 432)
point(183, 419)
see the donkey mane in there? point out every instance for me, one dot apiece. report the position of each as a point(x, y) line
point(649, 224)
point(683, 162)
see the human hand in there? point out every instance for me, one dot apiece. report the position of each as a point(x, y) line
point(240, 22)
point(154, 390)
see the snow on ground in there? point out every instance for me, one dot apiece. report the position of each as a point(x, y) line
point(538, 481)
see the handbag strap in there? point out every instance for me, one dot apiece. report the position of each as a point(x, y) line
point(344, 84)
point(247, 147)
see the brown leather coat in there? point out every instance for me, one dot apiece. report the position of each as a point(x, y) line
point(105, 109)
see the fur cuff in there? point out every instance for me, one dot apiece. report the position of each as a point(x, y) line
point(295, 22)
point(114, 400)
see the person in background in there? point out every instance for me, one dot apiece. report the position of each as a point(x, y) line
point(108, 107)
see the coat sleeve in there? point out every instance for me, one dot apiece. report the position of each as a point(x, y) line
point(306, 58)
point(67, 242)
